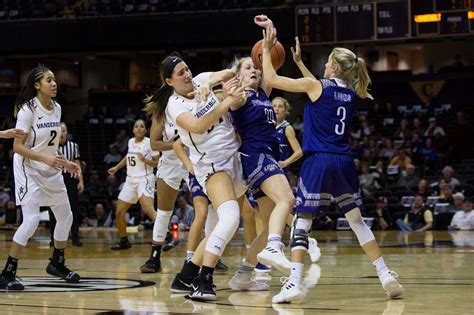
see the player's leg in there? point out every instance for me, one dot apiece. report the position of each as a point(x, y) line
point(166, 199)
point(313, 249)
point(121, 210)
point(201, 204)
point(57, 266)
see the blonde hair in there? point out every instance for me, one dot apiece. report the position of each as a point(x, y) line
point(352, 70)
point(285, 103)
point(238, 62)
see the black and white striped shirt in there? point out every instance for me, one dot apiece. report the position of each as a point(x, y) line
point(70, 150)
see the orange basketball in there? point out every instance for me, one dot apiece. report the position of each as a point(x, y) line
point(277, 52)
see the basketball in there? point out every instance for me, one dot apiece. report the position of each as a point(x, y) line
point(277, 52)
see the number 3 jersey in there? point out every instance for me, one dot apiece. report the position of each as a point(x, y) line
point(327, 120)
point(135, 167)
point(216, 144)
point(43, 129)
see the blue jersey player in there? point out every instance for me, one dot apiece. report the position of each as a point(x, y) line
point(328, 170)
point(255, 122)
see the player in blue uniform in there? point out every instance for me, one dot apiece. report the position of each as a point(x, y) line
point(328, 170)
point(255, 122)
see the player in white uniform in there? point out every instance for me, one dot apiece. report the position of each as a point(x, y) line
point(38, 177)
point(140, 182)
point(11, 133)
point(216, 164)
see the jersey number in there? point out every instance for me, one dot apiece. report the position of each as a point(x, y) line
point(131, 161)
point(53, 136)
point(270, 115)
point(339, 129)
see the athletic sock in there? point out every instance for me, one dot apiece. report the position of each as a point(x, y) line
point(274, 238)
point(10, 266)
point(58, 256)
point(296, 272)
point(380, 265)
point(206, 271)
point(190, 269)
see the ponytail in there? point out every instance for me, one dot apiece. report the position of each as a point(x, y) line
point(362, 80)
point(155, 104)
point(353, 70)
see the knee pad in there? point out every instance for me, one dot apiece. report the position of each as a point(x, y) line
point(27, 228)
point(64, 218)
point(229, 219)
point(160, 228)
point(211, 220)
point(357, 224)
point(299, 232)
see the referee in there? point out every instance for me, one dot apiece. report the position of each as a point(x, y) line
point(74, 186)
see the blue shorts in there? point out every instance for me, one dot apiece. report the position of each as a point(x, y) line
point(252, 200)
point(194, 187)
point(257, 168)
point(324, 176)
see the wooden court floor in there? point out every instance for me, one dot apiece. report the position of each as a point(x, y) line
point(436, 269)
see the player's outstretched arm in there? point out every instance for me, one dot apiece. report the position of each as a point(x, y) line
point(11, 133)
point(296, 52)
point(178, 147)
point(120, 164)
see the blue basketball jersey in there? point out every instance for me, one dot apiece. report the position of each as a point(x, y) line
point(255, 123)
point(285, 148)
point(327, 120)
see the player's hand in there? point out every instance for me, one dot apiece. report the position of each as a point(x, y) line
point(190, 168)
point(269, 37)
point(228, 86)
point(72, 168)
point(263, 21)
point(296, 51)
point(112, 170)
point(141, 157)
point(56, 161)
point(282, 164)
point(12, 133)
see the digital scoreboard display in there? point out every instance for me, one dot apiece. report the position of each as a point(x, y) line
point(392, 20)
point(316, 24)
point(355, 22)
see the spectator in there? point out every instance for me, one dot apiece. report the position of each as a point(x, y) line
point(463, 220)
point(423, 189)
point(94, 187)
point(298, 125)
point(446, 195)
point(183, 214)
point(373, 148)
point(387, 151)
point(380, 171)
point(458, 201)
point(100, 216)
point(382, 215)
point(403, 131)
point(410, 180)
point(113, 156)
point(4, 198)
point(448, 173)
point(417, 128)
point(418, 219)
point(121, 141)
point(365, 128)
point(368, 181)
point(401, 160)
point(429, 154)
point(366, 157)
point(130, 116)
point(433, 129)
point(112, 186)
point(356, 133)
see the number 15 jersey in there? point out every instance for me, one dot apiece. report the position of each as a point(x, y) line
point(135, 167)
point(327, 120)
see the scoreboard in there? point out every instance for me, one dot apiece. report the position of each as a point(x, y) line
point(382, 20)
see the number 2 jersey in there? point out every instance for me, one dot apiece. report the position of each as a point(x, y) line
point(327, 120)
point(43, 128)
point(216, 144)
point(135, 167)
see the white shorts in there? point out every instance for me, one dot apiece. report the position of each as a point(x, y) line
point(136, 187)
point(171, 173)
point(45, 188)
point(232, 166)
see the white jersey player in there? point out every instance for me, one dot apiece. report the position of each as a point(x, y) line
point(140, 182)
point(38, 179)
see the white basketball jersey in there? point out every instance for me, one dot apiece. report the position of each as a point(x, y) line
point(216, 144)
point(135, 167)
point(43, 129)
point(170, 134)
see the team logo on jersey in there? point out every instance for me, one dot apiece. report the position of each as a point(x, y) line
point(270, 168)
point(50, 284)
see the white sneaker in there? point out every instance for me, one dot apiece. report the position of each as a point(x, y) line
point(262, 275)
point(290, 292)
point(313, 250)
point(242, 281)
point(312, 276)
point(390, 284)
point(273, 255)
